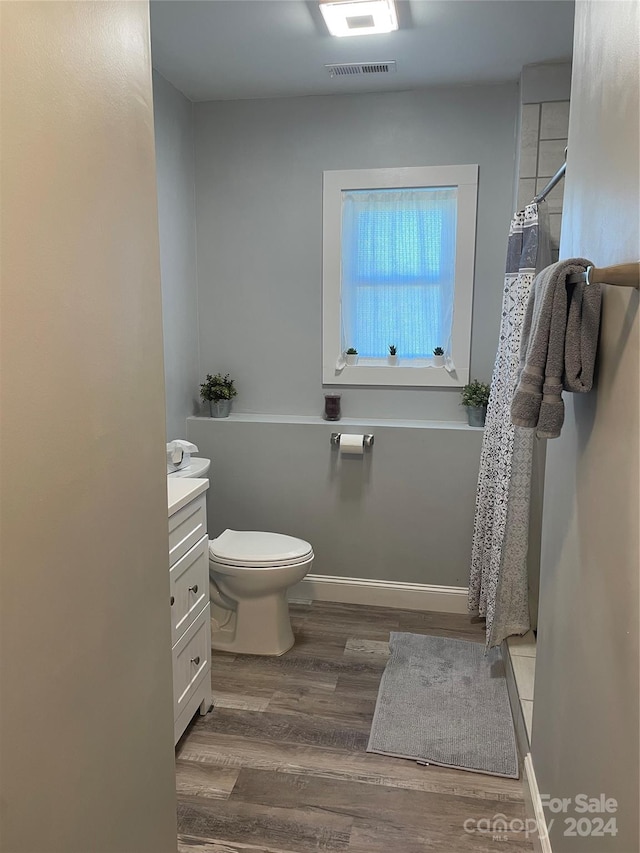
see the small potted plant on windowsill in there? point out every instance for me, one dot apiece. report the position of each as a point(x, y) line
point(351, 357)
point(438, 357)
point(218, 391)
point(475, 397)
point(392, 358)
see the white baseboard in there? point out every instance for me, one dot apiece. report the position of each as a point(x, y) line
point(408, 596)
point(535, 811)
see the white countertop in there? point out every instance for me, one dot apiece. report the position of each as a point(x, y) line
point(182, 490)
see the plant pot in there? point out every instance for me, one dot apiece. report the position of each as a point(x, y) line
point(351, 360)
point(392, 359)
point(438, 361)
point(219, 408)
point(476, 415)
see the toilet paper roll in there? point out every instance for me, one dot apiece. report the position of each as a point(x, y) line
point(351, 445)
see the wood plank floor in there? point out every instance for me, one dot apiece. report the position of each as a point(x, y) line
point(280, 765)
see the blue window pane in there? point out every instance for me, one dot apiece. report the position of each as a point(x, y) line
point(405, 316)
point(397, 245)
point(398, 270)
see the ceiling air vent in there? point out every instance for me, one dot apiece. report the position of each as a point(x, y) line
point(351, 69)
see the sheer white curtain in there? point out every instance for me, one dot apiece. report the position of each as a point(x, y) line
point(398, 270)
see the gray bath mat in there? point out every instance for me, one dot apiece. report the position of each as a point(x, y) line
point(443, 701)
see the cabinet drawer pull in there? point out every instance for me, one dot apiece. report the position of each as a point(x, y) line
point(196, 660)
point(193, 588)
point(173, 600)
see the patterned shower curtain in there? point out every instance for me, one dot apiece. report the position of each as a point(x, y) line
point(498, 587)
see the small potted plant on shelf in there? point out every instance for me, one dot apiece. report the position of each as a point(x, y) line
point(392, 358)
point(475, 397)
point(218, 391)
point(351, 357)
point(438, 357)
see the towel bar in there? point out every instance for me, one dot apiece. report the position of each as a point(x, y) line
point(621, 275)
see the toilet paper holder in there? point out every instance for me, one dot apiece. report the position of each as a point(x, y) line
point(335, 439)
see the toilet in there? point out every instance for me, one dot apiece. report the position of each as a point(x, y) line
point(249, 574)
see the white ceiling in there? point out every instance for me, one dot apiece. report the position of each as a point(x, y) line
point(228, 49)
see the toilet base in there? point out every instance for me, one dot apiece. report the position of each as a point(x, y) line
point(259, 626)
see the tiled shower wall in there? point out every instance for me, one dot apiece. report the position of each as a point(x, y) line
point(543, 138)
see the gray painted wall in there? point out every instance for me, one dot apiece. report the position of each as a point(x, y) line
point(403, 511)
point(545, 81)
point(86, 731)
point(259, 171)
point(585, 719)
point(174, 135)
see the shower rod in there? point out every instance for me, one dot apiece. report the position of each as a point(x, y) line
point(620, 275)
point(552, 182)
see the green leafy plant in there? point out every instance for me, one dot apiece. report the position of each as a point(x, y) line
point(217, 387)
point(438, 351)
point(475, 394)
point(393, 350)
point(352, 351)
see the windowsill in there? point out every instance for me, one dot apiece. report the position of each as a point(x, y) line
point(377, 372)
point(246, 417)
point(366, 361)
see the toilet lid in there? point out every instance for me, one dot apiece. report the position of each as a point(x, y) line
point(255, 549)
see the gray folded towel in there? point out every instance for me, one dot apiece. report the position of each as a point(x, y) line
point(581, 342)
point(558, 347)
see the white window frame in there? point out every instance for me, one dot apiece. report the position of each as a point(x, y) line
point(416, 372)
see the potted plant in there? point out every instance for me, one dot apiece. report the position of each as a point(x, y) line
point(351, 357)
point(438, 357)
point(392, 358)
point(218, 391)
point(475, 397)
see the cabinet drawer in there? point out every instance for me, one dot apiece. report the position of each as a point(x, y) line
point(191, 659)
point(189, 586)
point(186, 527)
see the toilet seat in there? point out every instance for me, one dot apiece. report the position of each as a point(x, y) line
point(253, 549)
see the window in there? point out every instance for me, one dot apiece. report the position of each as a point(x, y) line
point(398, 269)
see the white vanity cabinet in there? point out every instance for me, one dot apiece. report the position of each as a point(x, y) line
point(189, 591)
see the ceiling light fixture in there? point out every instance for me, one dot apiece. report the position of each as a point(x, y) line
point(359, 17)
